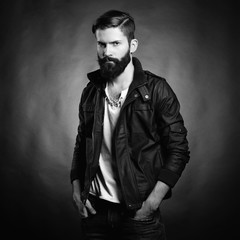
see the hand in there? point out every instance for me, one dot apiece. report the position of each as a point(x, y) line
point(79, 205)
point(90, 208)
point(145, 211)
point(153, 201)
point(83, 209)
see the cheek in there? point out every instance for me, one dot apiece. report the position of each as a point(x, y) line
point(99, 52)
point(123, 52)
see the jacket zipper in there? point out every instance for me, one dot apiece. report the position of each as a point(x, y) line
point(130, 164)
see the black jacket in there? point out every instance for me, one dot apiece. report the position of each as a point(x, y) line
point(149, 142)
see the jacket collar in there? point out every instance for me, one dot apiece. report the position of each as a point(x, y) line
point(139, 77)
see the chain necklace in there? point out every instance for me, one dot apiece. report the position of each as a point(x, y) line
point(113, 102)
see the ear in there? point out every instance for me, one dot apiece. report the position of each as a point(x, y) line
point(133, 45)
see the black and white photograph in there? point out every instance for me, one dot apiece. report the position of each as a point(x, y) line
point(119, 119)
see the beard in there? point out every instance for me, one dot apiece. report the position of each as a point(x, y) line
point(110, 68)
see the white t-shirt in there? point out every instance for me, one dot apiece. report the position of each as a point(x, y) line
point(106, 184)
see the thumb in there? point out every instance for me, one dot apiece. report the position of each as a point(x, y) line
point(90, 207)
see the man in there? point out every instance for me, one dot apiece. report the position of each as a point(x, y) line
point(131, 146)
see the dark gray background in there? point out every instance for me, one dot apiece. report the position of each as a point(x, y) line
point(47, 49)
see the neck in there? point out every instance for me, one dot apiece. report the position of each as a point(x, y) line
point(124, 80)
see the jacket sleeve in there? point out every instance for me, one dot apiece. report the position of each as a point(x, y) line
point(78, 161)
point(173, 135)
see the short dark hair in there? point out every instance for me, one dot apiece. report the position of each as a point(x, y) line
point(114, 18)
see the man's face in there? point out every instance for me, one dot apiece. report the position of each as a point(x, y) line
point(113, 52)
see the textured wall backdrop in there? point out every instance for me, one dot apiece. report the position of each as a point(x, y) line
point(46, 51)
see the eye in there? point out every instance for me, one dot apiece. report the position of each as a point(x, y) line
point(102, 45)
point(115, 44)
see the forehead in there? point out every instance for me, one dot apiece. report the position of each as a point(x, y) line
point(110, 35)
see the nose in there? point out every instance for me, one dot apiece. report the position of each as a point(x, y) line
point(107, 50)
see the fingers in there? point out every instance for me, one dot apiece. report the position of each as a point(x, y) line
point(83, 212)
point(143, 212)
point(81, 209)
point(80, 206)
point(90, 207)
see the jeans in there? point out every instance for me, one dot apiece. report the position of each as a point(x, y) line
point(113, 221)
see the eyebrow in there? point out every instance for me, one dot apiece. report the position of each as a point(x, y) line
point(101, 42)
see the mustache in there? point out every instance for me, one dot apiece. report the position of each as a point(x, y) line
point(106, 59)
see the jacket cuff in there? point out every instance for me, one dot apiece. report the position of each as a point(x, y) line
point(168, 177)
point(74, 175)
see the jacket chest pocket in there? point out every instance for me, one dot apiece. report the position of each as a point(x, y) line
point(88, 112)
point(142, 115)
